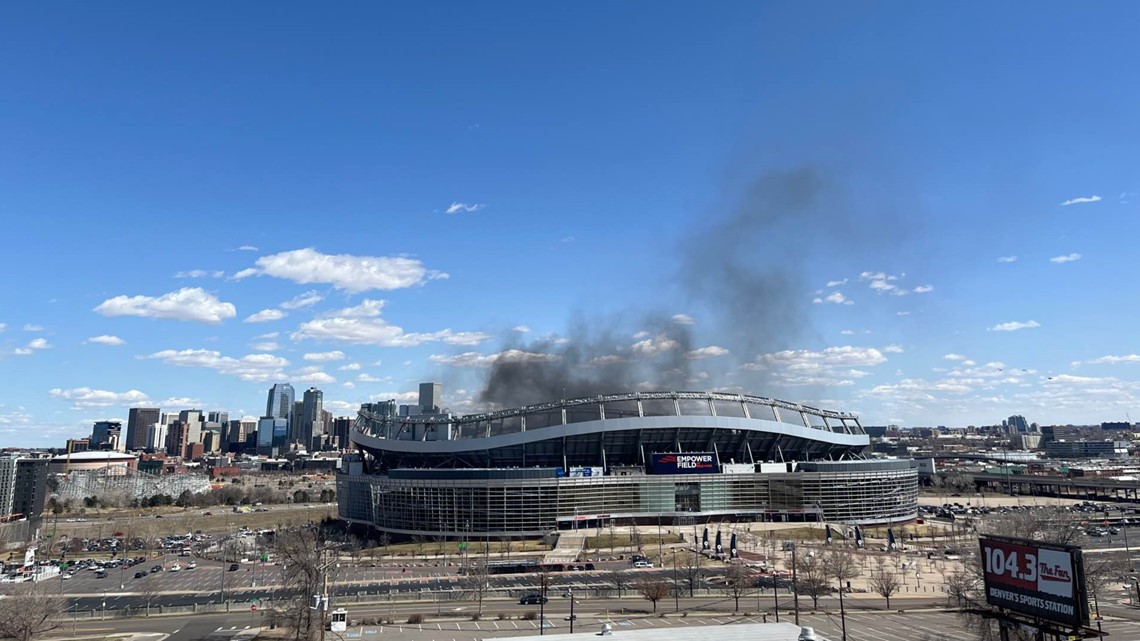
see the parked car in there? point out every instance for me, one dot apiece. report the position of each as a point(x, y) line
point(191, 565)
point(234, 567)
point(533, 599)
point(157, 568)
point(642, 564)
point(139, 575)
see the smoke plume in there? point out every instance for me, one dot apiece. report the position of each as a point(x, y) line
point(740, 272)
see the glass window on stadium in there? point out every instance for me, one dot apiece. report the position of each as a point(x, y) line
point(687, 497)
point(732, 409)
point(695, 407)
point(791, 417)
point(760, 412)
point(621, 409)
point(539, 420)
point(816, 422)
point(583, 413)
point(659, 407)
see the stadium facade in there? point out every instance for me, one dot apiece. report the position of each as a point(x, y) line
point(675, 458)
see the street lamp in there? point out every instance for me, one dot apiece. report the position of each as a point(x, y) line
point(570, 591)
point(676, 587)
point(1124, 527)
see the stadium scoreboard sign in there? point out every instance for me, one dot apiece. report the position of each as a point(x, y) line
point(1034, 578)
point(685, 463)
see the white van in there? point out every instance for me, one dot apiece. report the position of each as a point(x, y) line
point(642, 564)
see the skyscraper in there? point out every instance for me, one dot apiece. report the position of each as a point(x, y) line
point(312, 420)
point(106, 435)
point(139, 420)
point(280, 403)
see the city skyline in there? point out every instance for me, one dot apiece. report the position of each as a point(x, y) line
point(845, 208)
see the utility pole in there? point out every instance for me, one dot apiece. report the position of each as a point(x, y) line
point(570, 590)
point(676, 587)
point(795, 586)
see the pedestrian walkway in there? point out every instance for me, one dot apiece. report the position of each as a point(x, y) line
point(567, 549)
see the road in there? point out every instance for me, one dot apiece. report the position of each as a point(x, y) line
point(920, 621)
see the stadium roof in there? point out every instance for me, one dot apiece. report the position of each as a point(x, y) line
point(94, 456)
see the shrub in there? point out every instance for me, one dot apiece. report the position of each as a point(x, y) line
point(416, 618)
point(502, 616)
point(475, 617)
point(529, 616)
point(368, 621)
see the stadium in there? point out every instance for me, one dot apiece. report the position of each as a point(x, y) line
point(676, 458)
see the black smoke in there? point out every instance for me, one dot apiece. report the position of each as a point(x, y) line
point(740, 272)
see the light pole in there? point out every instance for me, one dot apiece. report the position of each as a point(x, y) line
point(795, 586)
point(1124, 528)
point(676, 587)
point(570, 591)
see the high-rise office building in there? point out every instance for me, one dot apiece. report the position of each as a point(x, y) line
point(139, 420)
point(239, 432)
point(341, 426)
point(156, 436)
point(429, 397)
point(23, 486)
point(193, 421)
point(312, 419)
point(177, 436)
point(218, 417)
point(281, 399)
point(106, 435)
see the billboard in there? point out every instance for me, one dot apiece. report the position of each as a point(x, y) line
point(1034, 578)
point(684, 463)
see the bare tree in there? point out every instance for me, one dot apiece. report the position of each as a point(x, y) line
point(304, 558)
point(147, 588)
point(884, 582)
point(476, 580)
point(28, 610)
point(689, 569)
point(653, 588)
point(420, 542)
point(812, 577)
point(842, 566)
point(737, 580)
point(505, 546)
point(620, 579)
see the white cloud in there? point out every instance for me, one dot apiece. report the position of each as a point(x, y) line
point(836, 283)
point(265, 315)
point(706, 352)
point(306, 299)
point(902, 313)
point(247, 248)
point(641, 334)
point(1013, 326)
point(367, 378)
point(33, 328)
point(348, 384)
point(335, 355)
point(1007, 259)
point(457, 208)
point(654, 345)
point(836, 298)
point(367, 308)
point(314, 376)
point(179, 402)
point(847, 332)
point(522, 329)
point(251, 367)
point(106, 339)
point(893, 349)
point(350, 326)
point(265, 346)
point(343, 271)
point(32, 346)
point(268, 335)
point(188, 303)
point(475, 359)
point(883, 283)
point(923, 289)
point(845, 356)
point(1081, 199)
point(954, 357)
point(3, 326)
point(199, 273)
point(349, 367)
point(683, 319)
point(1067, 258)
point(86, 397)
point(1114, 360)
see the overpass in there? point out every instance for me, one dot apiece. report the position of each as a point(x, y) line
point(1084, 488)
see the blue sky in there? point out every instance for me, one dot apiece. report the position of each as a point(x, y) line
point(201, 201)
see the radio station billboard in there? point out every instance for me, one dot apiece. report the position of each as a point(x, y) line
point(1034, 578)
point(684, 463)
